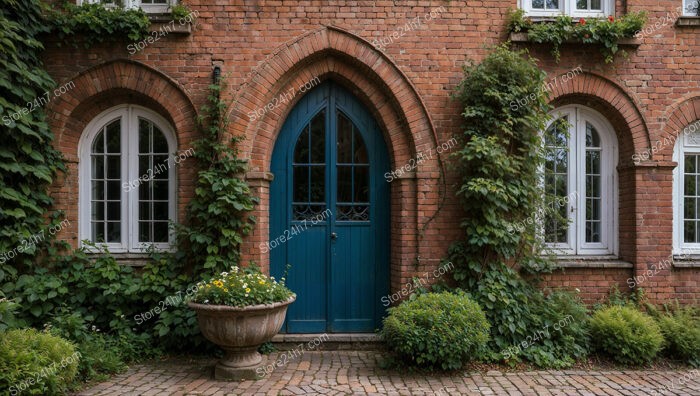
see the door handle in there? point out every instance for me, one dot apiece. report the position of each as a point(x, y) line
point(334, 235)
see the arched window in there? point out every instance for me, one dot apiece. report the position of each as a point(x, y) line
point(686, 191)
point(580, 172)
point(127, 180)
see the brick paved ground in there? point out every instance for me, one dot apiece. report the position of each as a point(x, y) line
point(352, 372)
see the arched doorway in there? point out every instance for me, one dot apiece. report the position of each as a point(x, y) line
point(329, 213)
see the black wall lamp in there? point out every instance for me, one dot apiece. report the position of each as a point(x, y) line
point(216, 75)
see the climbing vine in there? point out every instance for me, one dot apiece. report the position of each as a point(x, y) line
point(498, 161)
point(218, 213)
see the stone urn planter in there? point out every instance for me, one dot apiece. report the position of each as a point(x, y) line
point(239, 331)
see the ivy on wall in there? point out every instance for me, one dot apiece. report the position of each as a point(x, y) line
point(498, 162)
point(94, 23)
point(72, 291)
point(28, 160)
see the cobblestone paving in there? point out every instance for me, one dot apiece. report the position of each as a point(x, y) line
point(356, 373)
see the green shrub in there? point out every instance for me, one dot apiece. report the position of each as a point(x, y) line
point(36, 363)
point(436, 330)
point(681, 330)
point(626, 335)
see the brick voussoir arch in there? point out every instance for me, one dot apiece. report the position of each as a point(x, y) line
point(614, 103)
point(680, 115)
point(124, 78)
point(331, 52)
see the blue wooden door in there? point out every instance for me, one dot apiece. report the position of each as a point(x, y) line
point(329, 213)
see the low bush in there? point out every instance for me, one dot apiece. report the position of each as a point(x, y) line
point(36, 363)
point(436, 330)
point(680, 327)
point(626, 335)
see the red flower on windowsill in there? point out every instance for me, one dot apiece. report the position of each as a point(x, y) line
point(582, 21)
point(611, 19)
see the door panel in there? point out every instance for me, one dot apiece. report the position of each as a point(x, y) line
point(330, 202)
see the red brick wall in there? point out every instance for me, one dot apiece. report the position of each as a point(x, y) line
point(266, 47)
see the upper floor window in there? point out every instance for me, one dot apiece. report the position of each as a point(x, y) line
point(686, 191)
point(151, 6)
point(574, 8)
point(691, 7)
point(127, 191)
point(580, 174)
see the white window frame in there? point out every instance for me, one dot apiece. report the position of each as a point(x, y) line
point(129, 115)
point(568, 7)
point(685, 8)
point(148, 8)
point(688, 142)
point(576, 184)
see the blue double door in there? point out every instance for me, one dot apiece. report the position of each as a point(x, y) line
point(329, 214)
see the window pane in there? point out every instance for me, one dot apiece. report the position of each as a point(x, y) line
point(98, 210)
point(318, 138)
point(98, 146)
point(690, 185)
point(114, 190)
point(581, 4)
point(155, 184)
point(160, 231)
point(301, 150)
point(552, 4)
point(160, 190)
point(144, 136)
point(113, 132)
point(114, 230)
point(596, 5)
point(593, 186)
point(105, 164)
point(160, 144)
point(344, 183)
point(691, 199)
point(592, 138)
point(556, 180)
point(345, 153)
point(318, 184)
point(160, 211)
point(301, 183)
point(114, 167)
point(361, 184)
point(539, 4)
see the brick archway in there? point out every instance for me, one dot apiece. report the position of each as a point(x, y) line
point(100, 88)
point(611, 101)
point(333, 53)
point(684, 113)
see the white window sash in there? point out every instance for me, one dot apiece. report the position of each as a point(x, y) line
point(129, 164)
point(148, 8)
point(576, 208)
point(568, 7)
point(680, 150)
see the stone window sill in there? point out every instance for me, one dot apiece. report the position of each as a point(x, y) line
point(689, 261)
point(523, 38)
point(688, 21)
point(165, 23)
point(128, 259)
point(592, 262)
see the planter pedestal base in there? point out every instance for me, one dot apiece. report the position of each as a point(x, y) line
point(226, 373)
point(240, 364)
